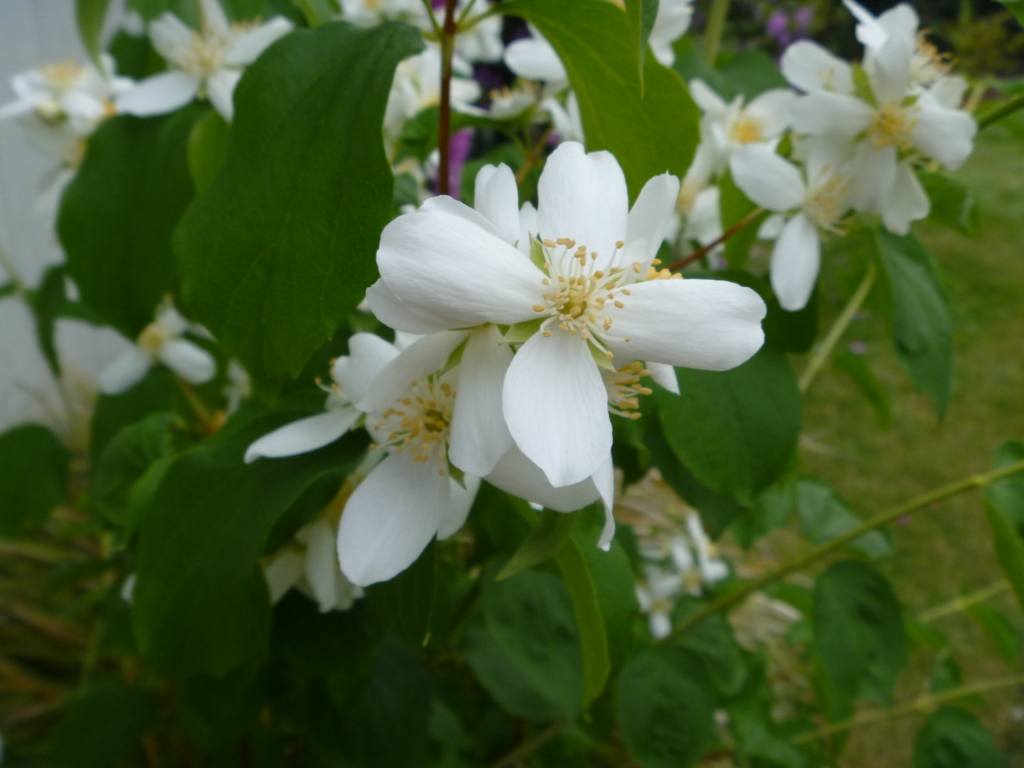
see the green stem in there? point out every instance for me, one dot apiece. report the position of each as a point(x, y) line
point(966, 602)
point(1000, 110)
point(737, 595)
point(838, 328)
point(713, 31)
point(920, 705)
point(444, 120)
point(530, 746)
point(433, 19)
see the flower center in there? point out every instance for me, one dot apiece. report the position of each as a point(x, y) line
point(153, 337)
point(892, 126)
point(928, 64)
point(623, 388)
point(420, 422)
point(747, 130)
point(825, 201)
point(205, 55)
point(63, 75)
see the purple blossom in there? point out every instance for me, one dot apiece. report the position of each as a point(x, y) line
point(778, 27)
point(803, 17)
point(461, 143)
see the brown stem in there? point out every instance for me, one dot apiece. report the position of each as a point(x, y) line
point(444, 118)
point(701, 252)
point(530, 746)
point(534, 156)
point(197, 407)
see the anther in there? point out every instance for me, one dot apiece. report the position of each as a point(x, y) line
point(620, 244)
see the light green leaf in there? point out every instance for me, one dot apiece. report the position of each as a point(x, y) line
point(117, 216)
point(953, 738)
point(319, 12)
point(1005, 637)
point(405, 604)
point(1008, 493)
point(825, 515)
point(649, 132)
point(734, 430)
point(34, 478)
point(952, 204)
point(207, 146)
point(858, 636)
point(280, 247)
point(90, 15)
point(641, 15)
point(920, 322)
point(551, 532)
point(1009, 546)
point(47, 302)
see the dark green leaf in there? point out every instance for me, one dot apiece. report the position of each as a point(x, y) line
point(1008, 493)
point(47, 302)
point(641, 15)
point(953, 738)
point(90, 15)
point(117, 216)
point(759, 738)
point(825, 515)
point(858, 635)
point(649, 132)
point(280, 247)
point(7, 289)
point(115, 412)
point(856, 367)
point(317, 12)
point(1009, 547)
point(952, 204)
point(751, 73)
point(922, 330)
point(666, 712)
point(790, 331)
point(34, 479)
point(1016, 7)
point(201, 601)
point(713, 643)
point(405, 604)
point(735, 430)
point(550, 533)
point(772, 509)
point(103, 726)
point(1000, 630)
point(207, 145)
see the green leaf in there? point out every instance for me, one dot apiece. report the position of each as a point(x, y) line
point(405, 604)
point(207, 146)
point(952, 204)
point(666, 714)
point(118, 213)
point(751, 73)
point(858, 635)
point(772, 509)
point(34, 479)
point(551, 532)
point(856, 367)
point(714, 644)
point(650, 131)
point(1009, 546)
point(47, 303)
point(280, 247)
point(825, 515)
point(201, 601)
point(90, 15)
point(1016, 7)
point(103, 726)
point(953, 738)
point(1005, 637)
point(317, 12)
point(641, 15)
point(1008, 493)
point(735, 430)
point(113, 413)
point(759, 738)
point(8, 289)
point(920, 322)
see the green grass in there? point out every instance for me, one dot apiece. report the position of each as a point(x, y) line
point(947, 550)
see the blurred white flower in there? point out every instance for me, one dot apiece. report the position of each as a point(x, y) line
point(534, 58)
point(238, 388)
point(206, 64)
point(670, 24)
point(567, 119)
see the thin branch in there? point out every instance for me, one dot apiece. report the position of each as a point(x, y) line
point(530, 746)
point(715, 28)
point(703, 251)
point(965, 602)
point(433, 19)
point(737, 595)
point(444, 119)
point(1000, 110)
point(197, 407)
point(534, 156)
point(838, 328)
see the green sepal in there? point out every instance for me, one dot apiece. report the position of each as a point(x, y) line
point(455, 357)
point(547, 538)
point(862, 85)
point(537, 255)
point(457, 474)
point(603, 361)
point(520, 332)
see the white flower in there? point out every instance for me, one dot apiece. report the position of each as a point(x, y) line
point(713, 569)
point(351, 377)
point(311, 565)
point(203, 64)
point(886, 128)
point(160, 341)
point(778, 185)
point(369, 13)
point(581, 282)
point(508, 103)
point(534, 58)
point(481, 41)
point(726, 126)
point(698, 205)
point(567, 119)
point(670, 24)
point(427, 415)
point(239, 386)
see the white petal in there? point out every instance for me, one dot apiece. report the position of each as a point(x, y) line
point(796, 260)
point(517, 475)
point(395, 313)
point(768, 179)
point(945, 135)
point(159, 94)
point(670, 24)
point(125, 372)
point(949, 91)
point(901, 20)
point(248, 45)
point(194, 364)
point(426, 356)
point(706, 99)
point(653, 212)
point(220, 89)
point(810, 68)
point(368, 354)
point(448, 268)
point(391, 517)
point(876, 175)
point(534, 59)
point(771, 227)
point(830, 113)
point(458, 510)
point(16, 108)
point(304, 435)
point(214, 19)
point(604, 482)
point(321, 564)
point(665, 375)
point(712, 325)
point(528, 226)
point(583, 197)
point(282, 572)
point(496, 196)
point(771, 108)
point(479, 436)
point(889, 68)
point(450, 205)
point(171, 37)
point(556, 407)
point(907, 201)
point(869, 32)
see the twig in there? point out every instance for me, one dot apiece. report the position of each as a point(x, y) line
point(534, 156)
point(704, 250)
point(1000, 110)
point(837, 329)
point(713, 31)
point(964, 603)
point(433, 19)
point(197, 407)
point(444, 119)
point(737, 595)
point(529, 746)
